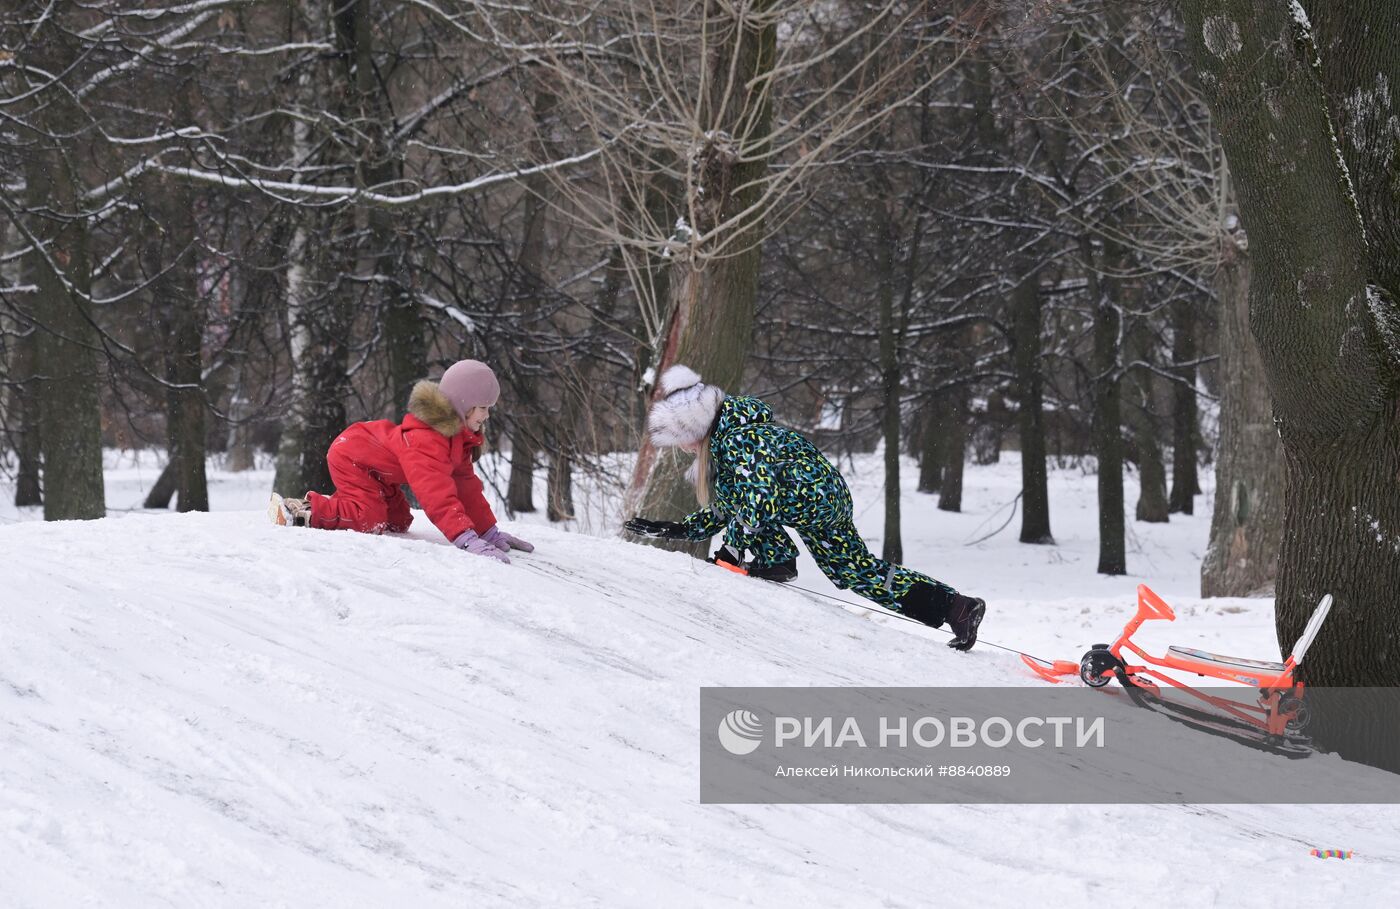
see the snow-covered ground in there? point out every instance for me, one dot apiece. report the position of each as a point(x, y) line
point(205, 710)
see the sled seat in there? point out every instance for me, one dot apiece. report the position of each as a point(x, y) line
point(1225, 663)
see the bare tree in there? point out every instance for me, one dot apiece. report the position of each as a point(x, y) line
point(692, 94)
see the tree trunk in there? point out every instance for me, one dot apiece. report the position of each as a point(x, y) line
point(559, 483)
point(932, 439)
point(65, 353)
point(530, 285)
point(1246, 527)
point(326, 416)
point(240, 438)
point(165, 486)
point(1035, 492)
point(17, 403)
point(291, 476)
point(955, 453)
point(893, 549)
point(713, 339)
point(1152, 505)
point(1324, 237)
point(181, 312)
point(321, 317)
point(404, 337)
point(381, 254)
point(520, 490)
point(1108, 422)
point(1185, 483)
point(986, 440)
point(28, 443)
point(578, 412)
point(713, 296)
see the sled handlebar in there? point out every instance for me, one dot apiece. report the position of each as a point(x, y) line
point(1313, 627)
point(1151, 606)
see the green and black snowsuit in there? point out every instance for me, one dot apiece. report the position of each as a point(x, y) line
point(765, 477)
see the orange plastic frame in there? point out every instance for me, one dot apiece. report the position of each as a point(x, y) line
point(1273, 685)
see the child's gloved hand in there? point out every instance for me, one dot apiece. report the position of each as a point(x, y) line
point(657, 530)
point(505, 541)
point(478, 546)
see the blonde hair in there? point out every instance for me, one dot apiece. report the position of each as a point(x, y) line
point(702, 474)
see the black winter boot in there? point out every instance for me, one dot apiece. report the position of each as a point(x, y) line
point(778, 571)
point(964, 615)
point(927, 603)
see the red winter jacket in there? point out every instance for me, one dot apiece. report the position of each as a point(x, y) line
point(431, 451)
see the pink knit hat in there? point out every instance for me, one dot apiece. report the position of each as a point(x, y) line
point(468, 384)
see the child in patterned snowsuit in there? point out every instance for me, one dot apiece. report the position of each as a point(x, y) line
point(763, 477)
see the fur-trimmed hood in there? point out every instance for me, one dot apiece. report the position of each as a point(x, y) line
point(429, 404)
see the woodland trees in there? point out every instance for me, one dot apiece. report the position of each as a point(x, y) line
point(944, 229)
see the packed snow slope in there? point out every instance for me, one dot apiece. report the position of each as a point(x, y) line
point(205, 710)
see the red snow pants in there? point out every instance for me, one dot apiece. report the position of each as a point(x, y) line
point(362, 500)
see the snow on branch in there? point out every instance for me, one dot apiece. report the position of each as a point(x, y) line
point(450, 311)
point(302, 192)
point(163, 42)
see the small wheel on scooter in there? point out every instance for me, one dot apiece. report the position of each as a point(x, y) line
point(1301, 715)
point(1095, 663)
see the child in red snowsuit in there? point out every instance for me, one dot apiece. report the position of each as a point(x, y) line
point(431, 451)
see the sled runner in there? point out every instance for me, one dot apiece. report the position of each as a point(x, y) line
point(1274, 721)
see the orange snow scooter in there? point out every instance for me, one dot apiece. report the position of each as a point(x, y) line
point(1273, 722)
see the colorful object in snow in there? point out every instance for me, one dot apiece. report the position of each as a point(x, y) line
point(1274, 721)
point(1331, 853)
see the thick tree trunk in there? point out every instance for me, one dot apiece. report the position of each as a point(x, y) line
point(1035, 492)
point(713, 296)
point(1185, 432)
point(1246, 527)
point(1324, 237)
point(381, 255)
point(65, 353)
point(711, 337)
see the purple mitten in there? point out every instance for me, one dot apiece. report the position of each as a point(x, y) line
point(478, 546)
point(504, 541)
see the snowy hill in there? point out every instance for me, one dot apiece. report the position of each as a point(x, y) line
point(207, 710)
